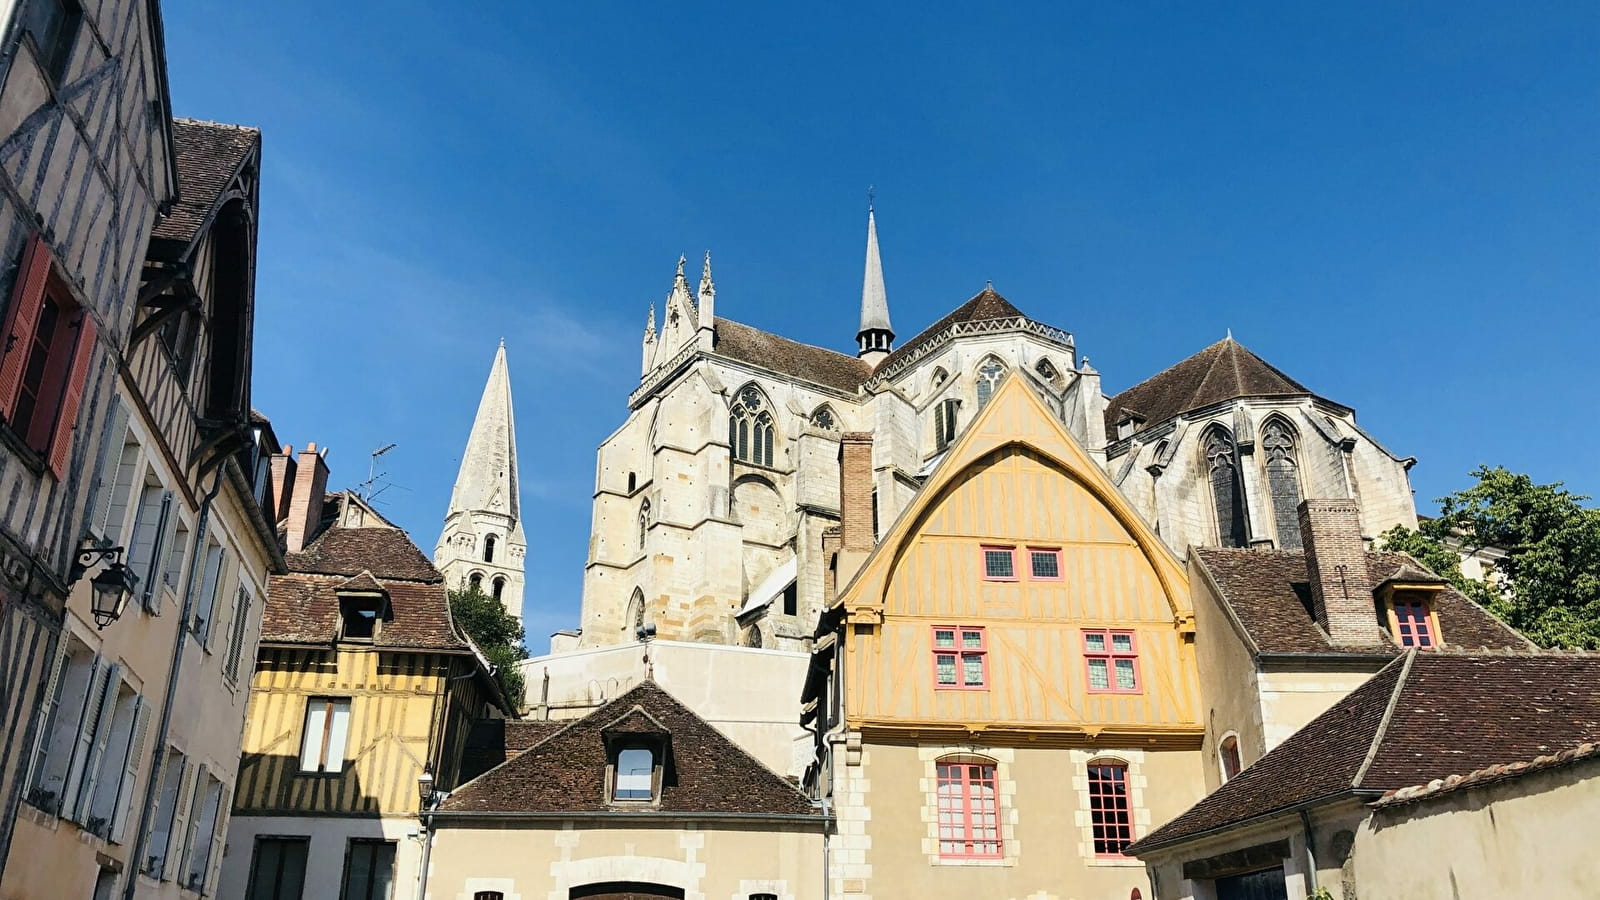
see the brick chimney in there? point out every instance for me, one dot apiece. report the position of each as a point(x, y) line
point(280, 484)
point(1336, 561)
point(305, 500)
point(856, 537)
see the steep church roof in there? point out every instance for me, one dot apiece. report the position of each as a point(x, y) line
point(1225, 370)
point(819, 365)
point(874, 298)
point(488, 477)
point(986, 304)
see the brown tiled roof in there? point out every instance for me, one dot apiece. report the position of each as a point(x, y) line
point(1487, 776)
point(493, 741)
point(1223, 371)
point(1424, 716)
point(209, 155)
point(820, 365)
point(565, 772)
point(303, 608)
point(1269, 592)
point(387, 553)
point(986, 304)
point(363, 583)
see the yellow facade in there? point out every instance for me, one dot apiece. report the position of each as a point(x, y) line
point(1015, 479)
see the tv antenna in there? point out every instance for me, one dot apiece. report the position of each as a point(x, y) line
point(365, 489)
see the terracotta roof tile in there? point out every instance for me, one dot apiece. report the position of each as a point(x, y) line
point(986, 304)
point(565, 772)
point(387, 553)
point(819, 365)
point(303, 608)
point(209, 155)
point(1225, 370)
point(1451, 713)
point(493, 741)
point(1488, 775)
point(1269, 592)
point(363, 583)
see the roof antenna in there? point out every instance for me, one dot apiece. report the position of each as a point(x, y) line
point(364, 490)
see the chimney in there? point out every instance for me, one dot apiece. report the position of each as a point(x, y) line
point(305, 503)
point(280, 484)
point(856, 537)
point(1336, 561)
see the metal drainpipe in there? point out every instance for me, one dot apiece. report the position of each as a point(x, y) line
point(152, 790)
point(427, 851)
point(1311, 853)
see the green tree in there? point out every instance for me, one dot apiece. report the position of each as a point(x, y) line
point(496, 632)
point(1550, 576)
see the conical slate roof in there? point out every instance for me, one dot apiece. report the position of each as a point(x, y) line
point(488, 477)
point(1225, 370)
point(874, 299)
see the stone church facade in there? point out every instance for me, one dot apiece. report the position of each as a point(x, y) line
point(712, 498)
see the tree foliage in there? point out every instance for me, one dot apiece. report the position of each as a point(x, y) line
point(496, 632)
point(1549, 581)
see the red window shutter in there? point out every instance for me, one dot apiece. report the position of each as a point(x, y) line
point(26, 298)
point(67, 417)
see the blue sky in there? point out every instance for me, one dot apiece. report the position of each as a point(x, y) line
point(1399, 206)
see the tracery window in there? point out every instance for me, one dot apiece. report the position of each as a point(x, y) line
point(636, 611)
point(944, 423)
point(1283, 480)
point(1226, 492)
point(823, 418)
point(989, 374)
point(1046, 370)
point(750, 430)
point(644, 523)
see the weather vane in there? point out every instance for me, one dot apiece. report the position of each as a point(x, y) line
point(871, 193)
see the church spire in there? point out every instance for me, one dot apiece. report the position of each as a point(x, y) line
point(483, 542)
point(876, 337)
point(706, 311)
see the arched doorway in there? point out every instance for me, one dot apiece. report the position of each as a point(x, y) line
point(625, 890)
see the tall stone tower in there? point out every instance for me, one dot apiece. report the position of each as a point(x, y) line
point(482, 542)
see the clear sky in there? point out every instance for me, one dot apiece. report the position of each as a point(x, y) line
point(1399, 205)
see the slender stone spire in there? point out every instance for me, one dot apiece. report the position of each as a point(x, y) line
point(483, 541)
point(706, 312)
point(876, 337)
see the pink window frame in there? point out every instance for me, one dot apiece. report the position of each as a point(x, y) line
point(1125, 800)
point(960, 651)
point(1053, 551)
point(1111, 656)
point(983, 562)
point(967, 800)
point(1423, 623)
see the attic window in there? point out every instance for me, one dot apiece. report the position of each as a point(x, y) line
point(361, 614)
point(1127, 425)
point(635, 774)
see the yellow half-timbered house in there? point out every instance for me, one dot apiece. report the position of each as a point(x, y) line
point(1003, 689)
point(363, 683)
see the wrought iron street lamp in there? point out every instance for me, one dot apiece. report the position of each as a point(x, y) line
point(112, 586)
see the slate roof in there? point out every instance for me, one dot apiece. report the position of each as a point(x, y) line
point(209, 155)
point(986, 304)
point(1269, 592)
point(1225, 370)
point(1424, 716)
point(565, 772)
point(387, 553)
point(826, 367)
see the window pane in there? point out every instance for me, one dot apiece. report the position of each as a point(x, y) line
point(279, 870)
point(1122, 643)
point(1094, 642)
point(997, 564)
point(1097, 674)
point(635, 766)
point(1125, 675)
point(946, 665)
point(1046, 564)
point(944, 638)
point(972, 665)
point(972, 640)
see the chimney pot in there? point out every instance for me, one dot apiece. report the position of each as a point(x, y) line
point(305, 506)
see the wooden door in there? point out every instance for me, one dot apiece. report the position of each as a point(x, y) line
point(1266, 884)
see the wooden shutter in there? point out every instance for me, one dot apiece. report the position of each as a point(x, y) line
point(130, 769)
point(27, 296)
point(97, 752)
point(197, 814)
point(150, 591)
point(110, 463)
point(51, 717)
point(172, 865)
point(219, 835)
point(67, 414)
point(241, 619)
point(83, 747)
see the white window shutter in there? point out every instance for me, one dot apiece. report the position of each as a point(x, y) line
point(116, 481)
point(225, 566)
point(83, 747)
point(150, 590)
point(192, 837)
point(311, 740)
point(130, 772)
point(172, 866)
point(339, 735)
point(219, 836)
point(241, 622)
point(97, 751)
point(51, 717)
point(205, 610)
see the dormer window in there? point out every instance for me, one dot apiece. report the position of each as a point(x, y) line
point(635, 774)
point(361, 616)
point(1405, 599)
point(1128, 425)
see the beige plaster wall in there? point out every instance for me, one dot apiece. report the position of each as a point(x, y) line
point(1290, 699)
point(544, 861)
point(1529, 837)
point(1332, 832)
point(887, 843)
point(1229, 692)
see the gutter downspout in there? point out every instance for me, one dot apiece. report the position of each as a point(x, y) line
point(426, 814)
point(1311, 853)
point(152, 789)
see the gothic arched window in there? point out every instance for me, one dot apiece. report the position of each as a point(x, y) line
point(1283, 480)
point(940, 376)
point(636, 611)
point(1222, 465)
point(475, 581)
point(1046, 369)
point(750, 431)
point(644, 523)
point(944, 423)
point(488, 549)
point(823, 418)
point(989, 373)
point(499, 587)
